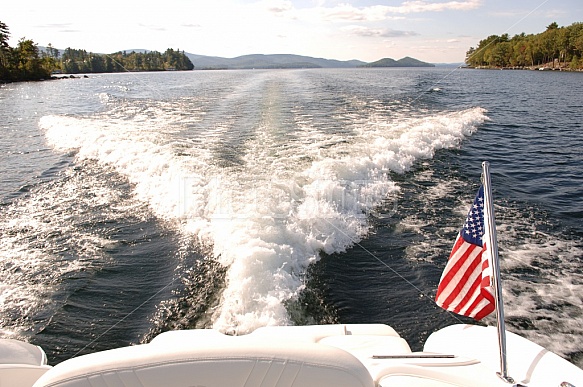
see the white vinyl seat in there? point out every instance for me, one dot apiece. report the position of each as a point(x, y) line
point(213, 361)
point(20, 363)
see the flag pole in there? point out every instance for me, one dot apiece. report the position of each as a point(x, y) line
point(491, 224)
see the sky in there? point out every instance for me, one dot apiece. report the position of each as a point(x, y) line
point(436, 31)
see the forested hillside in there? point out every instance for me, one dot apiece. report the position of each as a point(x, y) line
point(73, 61)
point(22, 62)
point(26, 62)
point(558, 47)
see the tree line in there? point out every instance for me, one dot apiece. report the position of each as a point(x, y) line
point(27, 62)
point(22, 62)
point(73, 61)
point(557, 47)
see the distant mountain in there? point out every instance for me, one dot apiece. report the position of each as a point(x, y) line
point(275, 61)
point(404, 62)
point(282, 61)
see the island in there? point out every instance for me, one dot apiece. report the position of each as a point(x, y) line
point(403, 62)
point(73, 61)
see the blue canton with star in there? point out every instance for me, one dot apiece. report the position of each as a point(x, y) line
point(474, 228)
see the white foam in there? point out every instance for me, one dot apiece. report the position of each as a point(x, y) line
point(43, 244)
point(542, 284)
point(541, 275)
point(268, 218)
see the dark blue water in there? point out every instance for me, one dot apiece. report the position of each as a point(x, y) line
point(138, 203)
point(532, 140)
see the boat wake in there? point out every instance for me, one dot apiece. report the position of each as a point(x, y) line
point(265, 194)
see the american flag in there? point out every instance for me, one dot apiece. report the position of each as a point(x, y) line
point(465, 286)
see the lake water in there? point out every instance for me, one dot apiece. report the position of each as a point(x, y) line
point(131, 204)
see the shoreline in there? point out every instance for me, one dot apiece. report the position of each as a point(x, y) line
point(52, 78)
point(528, 68)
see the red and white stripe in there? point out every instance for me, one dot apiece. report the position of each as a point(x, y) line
point(465, 287)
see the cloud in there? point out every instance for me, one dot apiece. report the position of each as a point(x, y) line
point(60, 27)
point(348, 12)
point(152, 27)
point(555, 13)
point(344, 12)
point(278, 6)
point(425, 6)
point(57, 26)
point(378, 32)
point(519, 13)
